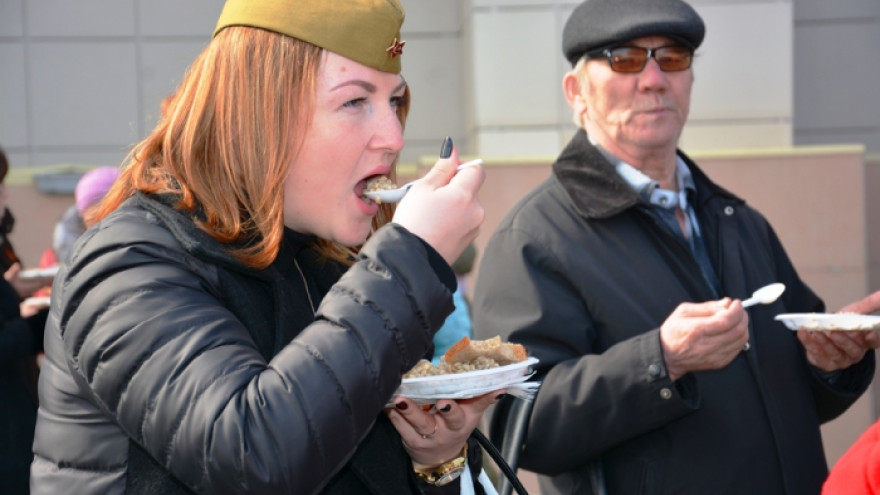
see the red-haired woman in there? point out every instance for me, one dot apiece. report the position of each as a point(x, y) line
point(240, 316)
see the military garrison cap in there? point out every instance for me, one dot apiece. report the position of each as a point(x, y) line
point(598, 24)
point(366, 31)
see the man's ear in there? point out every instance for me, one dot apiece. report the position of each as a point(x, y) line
point(571, 88)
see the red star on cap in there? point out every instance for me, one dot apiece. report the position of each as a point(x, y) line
point(396, 48)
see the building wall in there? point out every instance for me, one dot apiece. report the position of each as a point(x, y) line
point(82, 81)
point(836, 69)
point(519, 108)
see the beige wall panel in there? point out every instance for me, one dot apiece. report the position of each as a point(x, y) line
point(432, 74)
point(700, 135)
point(838, 435)
point(514, 57)
point(820, 221)
point(518, 142)
point(744, 75)
point(872, 220)
point(430, 17)
point(836, 287)
point(522, 3)
point(35, 217)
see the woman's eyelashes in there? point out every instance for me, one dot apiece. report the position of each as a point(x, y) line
point(398, 101)
point(355, 103)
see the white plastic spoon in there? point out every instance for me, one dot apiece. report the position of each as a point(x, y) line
point(765, 295)
point(395, 195)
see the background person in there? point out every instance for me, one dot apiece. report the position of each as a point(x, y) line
point(458, 324)
point(9, 261)
point(857, 472)
point(623, 273)
point(240, 316)
point(89, 190)
point(21, 338)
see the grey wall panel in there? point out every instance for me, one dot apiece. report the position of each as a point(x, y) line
point(823, 10)
point(89, 18)
point(13, 107)
point(178, 18)
point(837, 70)
point(83, 93)
point(162, 65)
point(11, 23)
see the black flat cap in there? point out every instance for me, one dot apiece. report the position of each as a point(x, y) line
point(597, 24)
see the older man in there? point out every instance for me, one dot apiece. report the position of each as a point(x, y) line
point(623, 272)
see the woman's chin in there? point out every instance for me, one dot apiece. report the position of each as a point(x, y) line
point(353, 237)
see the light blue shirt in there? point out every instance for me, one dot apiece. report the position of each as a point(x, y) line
point(664, 203)
point(456, 326)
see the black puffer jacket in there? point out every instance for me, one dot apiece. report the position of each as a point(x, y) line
point(157, 345)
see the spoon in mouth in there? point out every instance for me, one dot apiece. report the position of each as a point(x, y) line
point(765, 295)
point(395, 195)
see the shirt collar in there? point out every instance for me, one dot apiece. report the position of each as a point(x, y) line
point(648, 188)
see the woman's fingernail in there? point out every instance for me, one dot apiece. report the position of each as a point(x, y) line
point(446, 408)
point(446, 149)
point(401, 405)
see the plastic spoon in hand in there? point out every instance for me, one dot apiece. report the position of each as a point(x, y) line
point(765, 295)
point(395, 195)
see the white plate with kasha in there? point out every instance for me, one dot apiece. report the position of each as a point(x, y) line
point(467, 384)
point(850, 322)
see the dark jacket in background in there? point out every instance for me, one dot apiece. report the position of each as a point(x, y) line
point(582, 274)
point(20, 339)
point(7, 253)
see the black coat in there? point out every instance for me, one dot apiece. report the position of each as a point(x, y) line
point(18, 407)
point(582, 274)
point(168, 360)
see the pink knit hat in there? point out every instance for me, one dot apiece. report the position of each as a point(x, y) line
point(93, 185)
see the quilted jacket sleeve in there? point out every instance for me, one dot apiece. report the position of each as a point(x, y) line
point(149, 343)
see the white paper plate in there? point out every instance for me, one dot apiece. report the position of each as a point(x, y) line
point(830, 321)
point(38, 272)
point(468, 384)
point(42, 302)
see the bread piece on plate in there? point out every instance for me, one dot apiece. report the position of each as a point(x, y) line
point(467, 350)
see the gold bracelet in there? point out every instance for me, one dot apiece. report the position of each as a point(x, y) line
point(444, 473)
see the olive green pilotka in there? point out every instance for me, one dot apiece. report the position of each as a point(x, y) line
point(366, 31)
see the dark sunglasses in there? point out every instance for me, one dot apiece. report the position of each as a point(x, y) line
point(635, 58)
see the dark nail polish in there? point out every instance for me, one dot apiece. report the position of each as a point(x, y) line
point(446, 408)
point(446, 149)
point(401, 405)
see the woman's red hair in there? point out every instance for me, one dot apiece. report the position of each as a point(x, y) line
point(226, 138)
